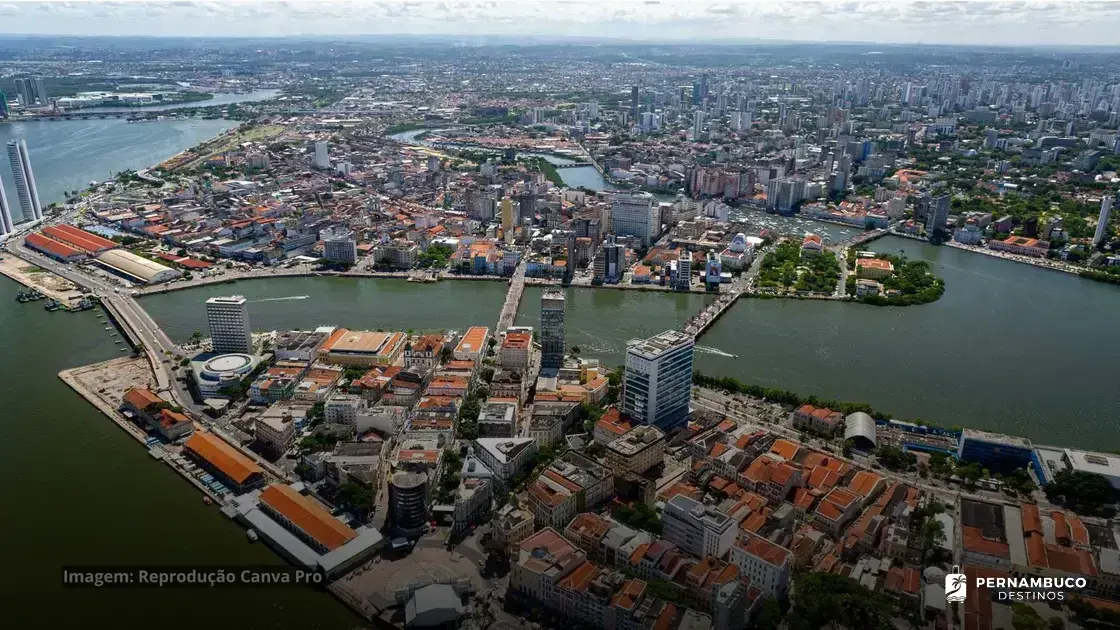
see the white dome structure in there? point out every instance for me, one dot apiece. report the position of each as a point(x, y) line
point(739, 243)
point(860, 428)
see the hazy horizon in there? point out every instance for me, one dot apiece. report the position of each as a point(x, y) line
point(1089, 23)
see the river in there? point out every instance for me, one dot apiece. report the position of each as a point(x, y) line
point(68, 154)
point(361, 303)
point(229, 98)
point(1009, 347)
point(78, 490)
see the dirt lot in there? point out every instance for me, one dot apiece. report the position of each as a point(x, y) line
point(111, 379)
point(47, 283)
point(379, 583)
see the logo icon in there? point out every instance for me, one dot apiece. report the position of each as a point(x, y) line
point(955, 585)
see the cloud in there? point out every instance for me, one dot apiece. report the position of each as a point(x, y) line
point(945, 21)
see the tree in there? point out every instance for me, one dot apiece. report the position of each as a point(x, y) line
point(1025, 617)
point(896, 459)
point(445, 354)
point(769, 616)
point(829, 600)
point(1080, 491)
point(357, 497)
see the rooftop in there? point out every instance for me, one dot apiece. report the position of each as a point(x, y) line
point(308, 515)
point(657, 345)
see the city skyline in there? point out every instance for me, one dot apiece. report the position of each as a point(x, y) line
point(979, 22)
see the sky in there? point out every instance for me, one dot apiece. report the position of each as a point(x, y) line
point(995, 22)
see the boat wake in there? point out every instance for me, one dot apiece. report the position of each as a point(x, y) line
point(716, 351)
point(284, 299)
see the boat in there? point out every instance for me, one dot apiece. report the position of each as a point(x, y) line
point(52, 305)
point(252, 536)
point(207, 500)
point(118, 341)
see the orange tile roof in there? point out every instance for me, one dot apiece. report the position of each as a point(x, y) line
point(756, 520)
point(1031, 520)
point(1079, 535)
point(580, 578)
point(864, 482)
point(785, 449)
point(629, 594)
point(142, 398)
point(472, 341)
point(765, 550)
point(223, 456)
point(1061, 527)
point(1036, 550)
point(54, 247)
point(974, 541)
point(589, 525)
point(308, 515)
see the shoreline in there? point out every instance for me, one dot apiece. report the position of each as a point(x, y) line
point(71, 376)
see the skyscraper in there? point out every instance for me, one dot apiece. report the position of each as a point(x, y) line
point(508, 221)
point(697, 124)
point(684, 271)
point(938, 217)
point(1102, 220)
point(28, 193)
point(3, 105)
point(24, 92)
point(552, 330)
point(229, 324)
point(612, 260)
point(658, 379)
point(634, 102)
point(6, 225)
point(635, 214)
point(41, 92)
point(322, 158)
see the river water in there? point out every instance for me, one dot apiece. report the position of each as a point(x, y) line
point(67, 155)
point(78, 490)
point(1009, 347)
point(360, 303)
point(219, 99)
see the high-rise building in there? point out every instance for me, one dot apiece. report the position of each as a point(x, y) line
point(228, 318)
point(41, 92)
point(613, 257)
point(339, 245)
point(634, 102)
point(322, 157)
point(28, 193)
point(658, 379)
point(6, 225)
point(635, 214)
point(552, 330)
point(990, 138)
point(684, 270)
point(1102, 220)
point(783, 195)
point(508, 220)
point(697, 124)
point(937, 217)
point(25, 92)
point(3, 105)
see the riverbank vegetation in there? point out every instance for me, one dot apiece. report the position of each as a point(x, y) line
point(912, 279)
point(1108, 275)
point(792, 399)
point(786, 268)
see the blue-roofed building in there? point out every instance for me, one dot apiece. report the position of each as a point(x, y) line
point(994, 451)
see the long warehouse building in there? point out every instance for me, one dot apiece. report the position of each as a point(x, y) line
point(135, 268)
point(79, 239)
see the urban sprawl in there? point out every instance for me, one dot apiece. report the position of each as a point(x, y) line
point(548, 487)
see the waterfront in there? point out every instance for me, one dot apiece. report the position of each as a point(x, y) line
point(90, 495)
point(362, 303)
point(1009, 348)
point(68, 154)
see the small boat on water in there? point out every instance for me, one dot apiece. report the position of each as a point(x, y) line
point(252, 536)
point(207, 500)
